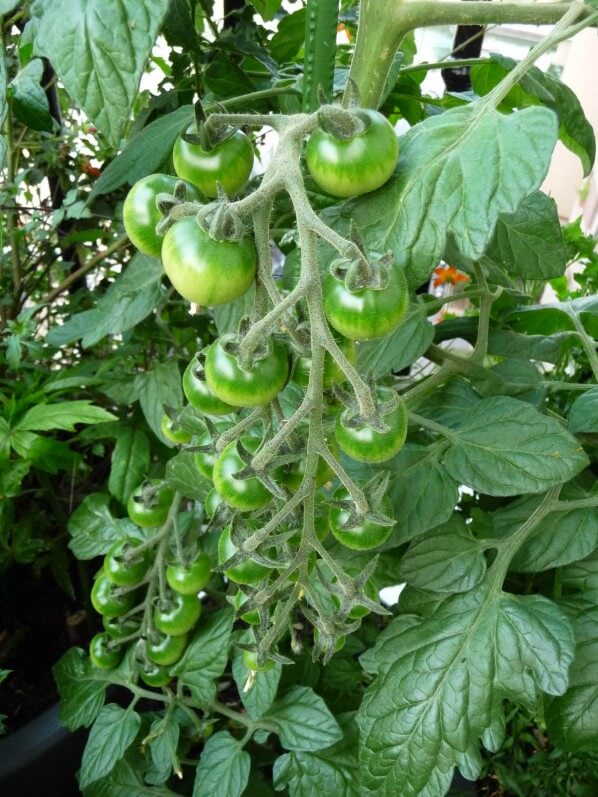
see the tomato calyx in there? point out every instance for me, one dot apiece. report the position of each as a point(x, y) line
point(386, 402)
point(375, 489)
point(342, 123)
point(220, 220)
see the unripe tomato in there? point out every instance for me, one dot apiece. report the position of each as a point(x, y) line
point(108, 599)
point(211, 503)
point(141, 214)
point(365, 444)
point(165, 649)
point(205, 460)
point(204, 270)
point(363, 537)
point(190, 579)
point(251, 617)
point(154, 675)
point(104, 652)
point(358, 611)
point(245, 495)
point(247, 572)
point(179, 435)
point(250, 387)
point(199, 394)
point(177, 614)
point(355, 165)
point(123, 566)
point(228, 163)
point(250, 661)
point(119, 628)
point(370, 313)
point(152, 511)
point(291, 475)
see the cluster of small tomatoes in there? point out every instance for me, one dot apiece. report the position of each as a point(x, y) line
point(218, 384)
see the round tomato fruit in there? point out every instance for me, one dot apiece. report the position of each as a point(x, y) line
point(108, 599)
point(165, 649)
point(204, 270)
point(177, 614)
point(356, 165)
point(104, 652)
point(198, 394)
point(123, 566)
point(154, 675)
point(250, 661)
point(148, 506)
point(369, 313)
point(333, 373)
point(141, 214)
point(246, 387)
point(228, 163)
point(175, 433)
point(190, 579)
point(365, 444)
point(364, 536)
point(245, 495)
point(247, 572)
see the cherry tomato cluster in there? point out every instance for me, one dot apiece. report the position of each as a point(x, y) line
point(160, 635)
point(214, 264)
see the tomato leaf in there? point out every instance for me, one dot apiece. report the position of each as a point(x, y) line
point(440, 187)
point(182, 474)
point(259, 698)
point(93, 528)
point(157, 388)
point(29, 100)
point(267, 8)
point(303, 721)
point(448, 559)
point(477, 649)
point(399, 349)
point(129, 464)
point(81, 693)
point(583, 415)
point(328, 773)
point(572, 719)
point(111, 735)
point(507, 447)
point(47, 417)
point(223, 769)
point(205, 658)
point(99, 52)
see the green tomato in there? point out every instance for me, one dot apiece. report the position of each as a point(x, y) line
point(199, 394)
point(205, 460)
point(154, 675)
point(177, 614)
point(119, 628)
point(251, 617)
point(211, 503)
point(367, 314)
point(333, 373)
point(251, 387)
point(356, 165)
point(104, 652)
point(204, 270)
point(165, 649)
point(291, 475)
point(109, 600)
point(150, 509)
point(250, 661)
point(123, 566)
point(228, 163)
point(141, 214)
point(245, 495)
point(190, 579)
point(363, 537)
point(365, 444)
point(247, 572)
point(176, 435)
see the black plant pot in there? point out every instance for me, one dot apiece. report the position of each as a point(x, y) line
point(42, 757)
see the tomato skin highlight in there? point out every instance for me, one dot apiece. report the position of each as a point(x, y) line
point(364, 537)
point(178, 615)
point(364, 444)
point(247, 572)
point(150, 516)
point(123, 570)
point(228, 163)
point(165, 649)
point(108, 600)
point(103, 653)
point(357, 165)
point(245, 495)
point(204, 270)
point(246, 388)
point(366, 314)
point(141, 214)
point(199, 395)
point(189, 580)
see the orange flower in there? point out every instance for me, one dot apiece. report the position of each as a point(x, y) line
point(342, 28)
point(448, 275)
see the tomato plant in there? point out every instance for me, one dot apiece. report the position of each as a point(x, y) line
point(399, 407)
